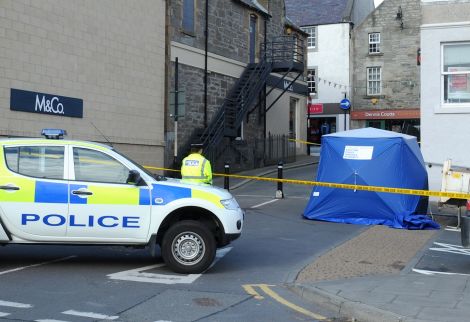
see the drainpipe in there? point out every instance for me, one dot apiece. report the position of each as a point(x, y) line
point(206, 33)
point(264, 90)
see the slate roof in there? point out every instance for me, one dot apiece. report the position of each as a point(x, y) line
point(254, 4)
point(316, 12)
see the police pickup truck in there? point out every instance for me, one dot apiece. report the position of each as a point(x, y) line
point(75, 192)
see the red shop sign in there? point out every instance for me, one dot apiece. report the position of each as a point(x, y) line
point(315, 108)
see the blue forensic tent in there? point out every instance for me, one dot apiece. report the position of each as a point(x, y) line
point(371, 157)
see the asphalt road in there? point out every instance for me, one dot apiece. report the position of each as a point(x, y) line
point(100, 283)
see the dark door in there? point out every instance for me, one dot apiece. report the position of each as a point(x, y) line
point(252, 38)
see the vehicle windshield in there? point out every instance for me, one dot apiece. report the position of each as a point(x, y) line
point(136, 164)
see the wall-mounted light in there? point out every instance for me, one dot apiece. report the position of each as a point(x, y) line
point(288, 30)
point(399, 17)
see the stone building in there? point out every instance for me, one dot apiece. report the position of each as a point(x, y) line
point(385, 75)
point(445, 86)
point(217, 103)
point(329, 24)
point(93, 68)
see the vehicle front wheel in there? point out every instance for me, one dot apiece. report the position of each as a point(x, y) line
point(188, 247)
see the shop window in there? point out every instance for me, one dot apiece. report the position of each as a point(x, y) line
point(455, 74)
point(188, 17)
point(374, 80)
point(374, 43)
point(312, 36)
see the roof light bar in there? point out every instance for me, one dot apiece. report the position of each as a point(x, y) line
point(54, 134)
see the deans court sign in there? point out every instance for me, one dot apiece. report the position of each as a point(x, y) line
point(34, 102)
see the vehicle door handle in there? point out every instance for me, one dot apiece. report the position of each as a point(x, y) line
point(9, 187)
point(82, 192)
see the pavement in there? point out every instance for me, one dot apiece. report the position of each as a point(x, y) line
point(382, 274)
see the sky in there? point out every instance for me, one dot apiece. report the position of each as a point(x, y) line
point(377, 2)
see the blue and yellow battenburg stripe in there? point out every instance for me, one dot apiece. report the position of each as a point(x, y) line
point(52, 192)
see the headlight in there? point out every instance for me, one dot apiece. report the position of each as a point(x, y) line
point(230, 204)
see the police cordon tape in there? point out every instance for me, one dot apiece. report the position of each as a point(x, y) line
point(403, 191)
point(304, 142)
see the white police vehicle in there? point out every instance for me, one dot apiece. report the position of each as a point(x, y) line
point(77, 192)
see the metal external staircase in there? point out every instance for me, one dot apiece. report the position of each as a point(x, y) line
point(235, 107)
point(280, 55)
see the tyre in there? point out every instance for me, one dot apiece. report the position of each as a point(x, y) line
point(188, 247)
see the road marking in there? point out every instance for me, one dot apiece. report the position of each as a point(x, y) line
point(49, 320)
point(139, 274)
point(15, 304)
point(453, 229)
point(3, 314)
point(36, 265)
point(426, 272)
point(264, 203)
point(449, 248)
point(250, 289)
point(91, 315)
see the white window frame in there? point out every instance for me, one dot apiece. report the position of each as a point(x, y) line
point(378, 70)
point(443, 74)
point(312, 36)
point(374, 43)
point(314, 81)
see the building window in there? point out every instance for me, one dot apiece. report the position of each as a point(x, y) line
point(188, 17)
point(456, 73)
point(374, 80)
point(312, 82)
point(374, 43)
point(312, 36)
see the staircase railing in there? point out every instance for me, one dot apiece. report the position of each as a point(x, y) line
point(227, 120)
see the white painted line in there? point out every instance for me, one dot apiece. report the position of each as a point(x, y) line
point(91, 315)
point(425, 272)
point(50, 320)
point(36, 265)
point(139, 274)
point(449, 248)
point(264, 203)
point(162, 321)
point(452, 229)
point(2, 314)
point(15, 304)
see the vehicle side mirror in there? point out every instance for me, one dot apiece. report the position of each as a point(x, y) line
point(134, 178)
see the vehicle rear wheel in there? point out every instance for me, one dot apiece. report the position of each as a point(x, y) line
point(188, 247)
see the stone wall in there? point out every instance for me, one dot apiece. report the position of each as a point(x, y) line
point(228, 28)
point(229, 38)
point(400, 73)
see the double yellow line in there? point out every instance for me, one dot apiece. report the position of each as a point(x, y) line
point(250, 289)
point(403, 191)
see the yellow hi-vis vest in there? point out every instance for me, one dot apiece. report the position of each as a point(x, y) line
point(196, 168)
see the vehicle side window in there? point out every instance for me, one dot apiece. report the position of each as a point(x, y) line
point(96, 166)
point(36, 161)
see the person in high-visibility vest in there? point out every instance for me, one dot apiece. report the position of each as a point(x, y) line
point(196, 168)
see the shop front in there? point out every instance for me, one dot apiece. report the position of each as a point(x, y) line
point(401, 121)
point(322, 119)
